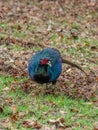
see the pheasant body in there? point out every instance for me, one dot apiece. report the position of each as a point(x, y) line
point(45, 66)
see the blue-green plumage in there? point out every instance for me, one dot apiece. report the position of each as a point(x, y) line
point(45, 66)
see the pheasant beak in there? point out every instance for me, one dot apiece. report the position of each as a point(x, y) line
point(49, 63)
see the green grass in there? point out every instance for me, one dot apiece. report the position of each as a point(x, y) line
point(75, 25)
point(5, 81)
point(15, 47)
point(76, 111)
point(45, 107)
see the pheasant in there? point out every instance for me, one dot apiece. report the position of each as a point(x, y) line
point(46, 66)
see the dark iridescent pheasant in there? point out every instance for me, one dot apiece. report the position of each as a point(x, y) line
point(46, 66)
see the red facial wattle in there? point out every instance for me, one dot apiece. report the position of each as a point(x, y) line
point(44, 61)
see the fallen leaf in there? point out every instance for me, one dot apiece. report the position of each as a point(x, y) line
point(74, 110)
point(94, 48)
point(14, 108)
point(6, 88)
point(1, 109)
point(59, 123)
point(31, 124)
point(63, 112)
point(97, 78)
point(14, 117)
point(96, 126)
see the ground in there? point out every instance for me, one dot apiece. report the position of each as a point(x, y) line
point(29, 26)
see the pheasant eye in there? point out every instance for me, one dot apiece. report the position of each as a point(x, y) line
point(44, 61)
